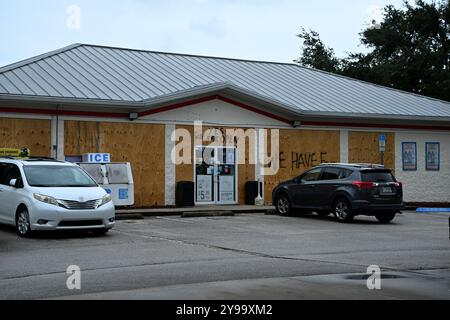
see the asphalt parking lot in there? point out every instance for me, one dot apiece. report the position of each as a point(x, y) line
point(249, 256)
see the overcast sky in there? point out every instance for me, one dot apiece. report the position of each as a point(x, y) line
point(248, 29)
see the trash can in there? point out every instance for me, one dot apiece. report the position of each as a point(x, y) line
point(184, 194)
point(251, 192)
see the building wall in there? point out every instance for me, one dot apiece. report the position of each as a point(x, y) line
point(145, 146)
point(423, 185)
point(141, 144)
point(26, 133)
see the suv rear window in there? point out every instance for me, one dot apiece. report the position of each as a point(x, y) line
point(377, 176)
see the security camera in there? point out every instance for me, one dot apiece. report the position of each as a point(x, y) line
point(133, 116)
point(297, 124)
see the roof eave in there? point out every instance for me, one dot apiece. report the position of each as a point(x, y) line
point(374, 116)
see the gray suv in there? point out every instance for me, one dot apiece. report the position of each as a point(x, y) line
point(346, 190)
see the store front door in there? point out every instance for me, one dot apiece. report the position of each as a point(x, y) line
point(215, 175)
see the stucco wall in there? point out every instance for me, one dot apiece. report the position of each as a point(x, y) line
point(422, 185)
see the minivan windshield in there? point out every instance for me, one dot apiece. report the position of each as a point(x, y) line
point(57, 176)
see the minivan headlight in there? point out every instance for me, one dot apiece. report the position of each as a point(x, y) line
point(107, 198)
point(45, 199)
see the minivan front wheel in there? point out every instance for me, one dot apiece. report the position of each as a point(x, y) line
point(23, 223)
point(342, 210)
point(283, 205)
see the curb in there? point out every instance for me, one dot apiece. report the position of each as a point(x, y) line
point(195, 214)
point(203, 213)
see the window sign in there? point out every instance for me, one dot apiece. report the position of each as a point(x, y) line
point(409, 156)
point(204, 188)
point(432, 150)
point(97, 157)
point(226, 188)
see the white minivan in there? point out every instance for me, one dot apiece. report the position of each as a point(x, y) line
point(46, 194)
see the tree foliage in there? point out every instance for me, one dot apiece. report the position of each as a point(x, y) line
point(409, 50)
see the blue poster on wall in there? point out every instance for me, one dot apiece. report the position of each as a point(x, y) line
point(409, 156)
point(432, 151)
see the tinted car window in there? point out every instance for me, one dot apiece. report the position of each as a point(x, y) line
point(311, 175)
point(10, 171)
point(331, 174)
point(377, 176)
point(345, 173)
point(2, 171)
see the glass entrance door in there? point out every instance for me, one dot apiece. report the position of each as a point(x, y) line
point(215, 175)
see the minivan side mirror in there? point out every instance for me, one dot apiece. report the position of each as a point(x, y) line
point(13, 183)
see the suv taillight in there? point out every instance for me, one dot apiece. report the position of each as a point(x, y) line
point(398, 184)
point(363, 184)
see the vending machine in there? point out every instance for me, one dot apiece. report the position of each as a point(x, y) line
point(115, 177)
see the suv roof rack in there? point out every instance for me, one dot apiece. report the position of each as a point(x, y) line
point(358, 165)
point(38, 158)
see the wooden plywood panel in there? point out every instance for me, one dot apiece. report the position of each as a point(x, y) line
point(26, 133)
point(363, 148)
point(299, 151)
point(185, 171)
point(81, 137)
point(143, 145)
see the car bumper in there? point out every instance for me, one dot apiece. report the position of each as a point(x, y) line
point(366, 207)
point(49, 217)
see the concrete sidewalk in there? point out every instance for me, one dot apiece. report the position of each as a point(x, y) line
point(176, 211)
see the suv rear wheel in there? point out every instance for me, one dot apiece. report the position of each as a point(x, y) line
point(342, 210)
point(283, 205)
point(385, 217)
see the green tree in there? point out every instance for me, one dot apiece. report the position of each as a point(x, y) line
point(315, 54)
point(409, 50)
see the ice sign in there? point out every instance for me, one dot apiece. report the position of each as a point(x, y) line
point(97, 157)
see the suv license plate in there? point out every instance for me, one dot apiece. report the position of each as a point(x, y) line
point(386, 190)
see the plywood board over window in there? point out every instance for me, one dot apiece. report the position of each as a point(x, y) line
point(26, 133)
point(141, 144)
point(363, 147)
point(299, 151)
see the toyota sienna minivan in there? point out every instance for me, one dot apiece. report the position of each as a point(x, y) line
point(46, 194)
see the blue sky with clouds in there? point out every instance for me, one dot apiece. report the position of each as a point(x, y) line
point(249, 29)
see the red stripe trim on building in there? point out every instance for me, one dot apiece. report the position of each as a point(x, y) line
point(177, 105)
point(247, 107)
point(210, 98)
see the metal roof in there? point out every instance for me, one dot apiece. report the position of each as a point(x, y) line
point(106, 75)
